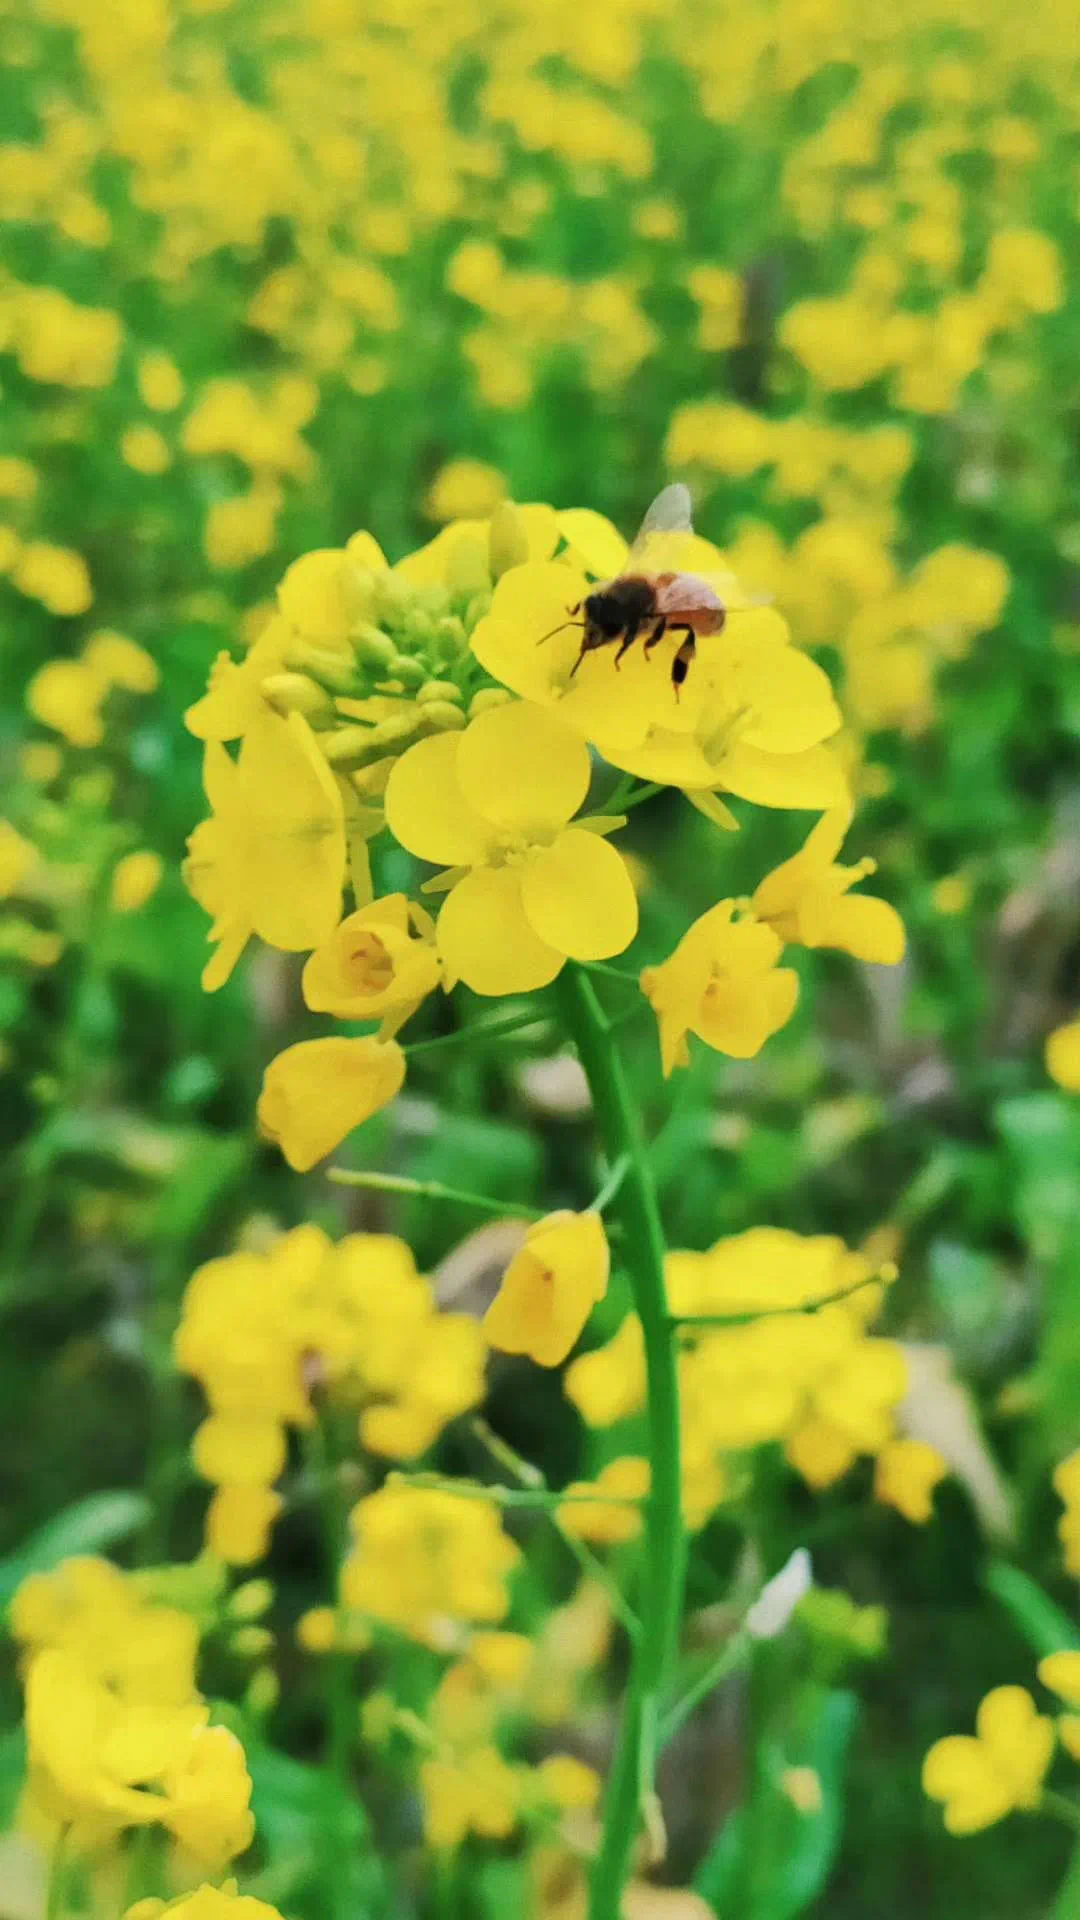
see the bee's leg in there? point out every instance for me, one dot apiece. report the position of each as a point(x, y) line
point(657, 633)
point(627, 640)
point(680, 666)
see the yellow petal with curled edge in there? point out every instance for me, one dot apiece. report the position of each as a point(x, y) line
point(1020, 1739)
point(486, 940)
point(316, 1092)
point(522, 768)
point(579, 897)
point(593, 540)
point(426, 809)
point(866, 928)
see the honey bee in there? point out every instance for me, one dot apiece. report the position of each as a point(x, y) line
point(644, 605)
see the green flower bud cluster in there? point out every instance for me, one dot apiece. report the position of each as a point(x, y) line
point(380, 659)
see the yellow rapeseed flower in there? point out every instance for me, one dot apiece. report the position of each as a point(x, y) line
point(529, 888)
point(1063, 1056)
point(424, 1560)
point(379, 964)
point(905, 1475)
point(807, 900)
point(723, 984)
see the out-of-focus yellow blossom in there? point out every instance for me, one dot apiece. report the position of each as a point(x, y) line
point(18, 857)
point(721, 298)
point(120, 662)
point(60, 342)
point(242, 529)
point(135, 880)
point(66, 695)
point(952, 893)
point(56, 576)
point(117, 1734)
point(379, 964)
point(425, 1562)
point(1067, 1488)
point(1061, 1673)
point(145, 449)
point(161, 387)
point(999, 1771)
point(807, 900)
point(723, 984)
point(464, 490)
point(263, 1331)
point(550, 1287)
point(271, 858)
point(609, 1383)
point(18, 479)
point(528, 888)
point(40, 762)
point(317, 1091)
point(610, 1513)
point(1063, 1056)
point(905, 1475)
point(205, 1903)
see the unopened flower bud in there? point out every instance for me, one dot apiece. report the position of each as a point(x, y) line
point(440, 716)
point(373, 648)
point(478, 606)
point(487, 698)
point(508, 542)
point(438, 690)
point(409, 671)
point(449, 639)
point(251, 1599)
point(263, 1692)
point(298, 693)
point(334, 670)
point(252, 1642)
point(467, 566)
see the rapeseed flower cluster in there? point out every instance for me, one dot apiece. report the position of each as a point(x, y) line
point(118, 1734)
point(815, 1382)
point(274, 1335)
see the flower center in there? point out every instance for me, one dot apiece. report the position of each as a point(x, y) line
point(369, 966)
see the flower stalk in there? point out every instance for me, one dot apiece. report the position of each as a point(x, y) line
point(630, 1796)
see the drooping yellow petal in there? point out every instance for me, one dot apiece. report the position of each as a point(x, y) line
point(486, 940)
point(292, 864)
point(593, 540)
point(866, 928)
point(522, 768)
point(550, 1288)
point(316, 1092)
point(579, 897)
point(426, 809)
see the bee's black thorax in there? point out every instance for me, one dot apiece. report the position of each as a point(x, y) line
point(623, 606)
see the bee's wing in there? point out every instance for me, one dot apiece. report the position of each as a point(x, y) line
point(690, 591)
point(670, 513)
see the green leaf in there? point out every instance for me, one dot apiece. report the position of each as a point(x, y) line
point(1041, 1621)
point(87, 1527)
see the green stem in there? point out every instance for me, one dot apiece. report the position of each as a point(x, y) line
point(1067, 1904)
point(338, 1699)
point(734, 1655)
point(431, 1190)
point(54, 1898)
point(692, 1320)
point(630, 1794)
point(480, 1030)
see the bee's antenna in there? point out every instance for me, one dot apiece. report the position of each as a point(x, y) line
point(561, 628)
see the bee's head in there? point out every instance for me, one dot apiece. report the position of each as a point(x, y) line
point(604, 613)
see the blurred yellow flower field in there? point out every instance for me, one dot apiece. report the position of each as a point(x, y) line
point(541, 1176)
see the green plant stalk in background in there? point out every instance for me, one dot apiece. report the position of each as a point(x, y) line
point(631, 1792)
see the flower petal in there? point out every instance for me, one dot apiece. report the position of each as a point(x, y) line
point(426, 809)
point(579, 897)
point(593, 540)
point(510, 641)
point(315, 1093)
point(522, 768)
point(292, 868)
point(486, 940)
point(812, 779)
